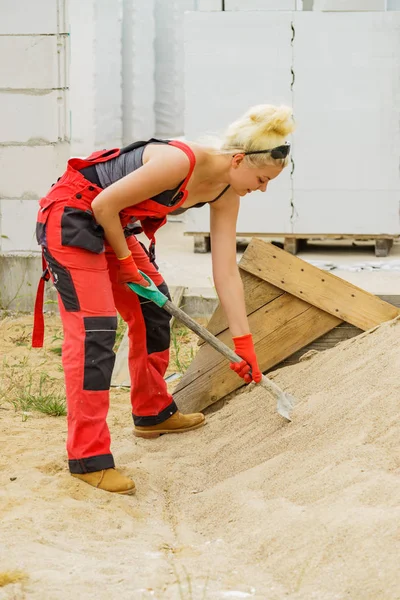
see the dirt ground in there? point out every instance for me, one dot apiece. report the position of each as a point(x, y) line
point(246, 507)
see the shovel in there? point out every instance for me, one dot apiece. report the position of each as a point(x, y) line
point(285, 401)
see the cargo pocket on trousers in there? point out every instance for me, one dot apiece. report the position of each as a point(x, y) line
point(41, 233)
point(100, 333)
point(62, 282)
point(156, 320)
point(79, 229)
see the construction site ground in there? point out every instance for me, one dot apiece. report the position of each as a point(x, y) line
point(247, 507)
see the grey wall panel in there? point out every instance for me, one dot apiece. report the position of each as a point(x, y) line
point(246, 61)
point(347, 105)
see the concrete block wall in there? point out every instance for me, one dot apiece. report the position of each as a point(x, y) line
point(34, 136)
point(96, 75)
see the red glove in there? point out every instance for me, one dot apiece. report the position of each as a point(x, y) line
point(128, 271)
point(244, 348)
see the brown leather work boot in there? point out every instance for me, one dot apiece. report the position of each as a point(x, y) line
point(109, 480)
point(178, 423)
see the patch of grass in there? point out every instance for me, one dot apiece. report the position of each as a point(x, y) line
point(22, 339)
point(27, 389)
point(181, 354)
point(8, 577)
point(121, 327)
point(56, 350)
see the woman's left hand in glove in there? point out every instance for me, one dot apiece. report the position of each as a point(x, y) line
point(248, 368)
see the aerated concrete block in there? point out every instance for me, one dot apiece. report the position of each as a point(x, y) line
point(247, 61)
point(27, 172)
point(224, 77)
point(18, 219)
point(207, 5)
point(29, 17)
point(349, 5)
point(346, 177)
point(19, 276)
point(34, 117)
point(32, 62)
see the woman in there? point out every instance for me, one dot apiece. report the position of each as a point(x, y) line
point(86, 227)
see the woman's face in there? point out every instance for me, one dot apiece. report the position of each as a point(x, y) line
point(245, 179)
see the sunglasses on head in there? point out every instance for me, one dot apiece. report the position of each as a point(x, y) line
point(277, 152)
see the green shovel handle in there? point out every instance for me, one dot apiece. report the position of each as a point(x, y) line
point(151, 292)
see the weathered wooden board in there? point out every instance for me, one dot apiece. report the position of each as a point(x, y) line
point(319, 288)
point(279, 329)
point(342, 332)
point(257, 293)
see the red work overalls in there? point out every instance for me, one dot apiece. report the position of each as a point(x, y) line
point(84, 271)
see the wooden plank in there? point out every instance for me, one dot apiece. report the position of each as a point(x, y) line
point(257, 293)
point(279, 329)
point(176, 298)
point(319, 288)
point(342, 332)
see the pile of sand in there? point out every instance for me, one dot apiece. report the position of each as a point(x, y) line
point(247, 507)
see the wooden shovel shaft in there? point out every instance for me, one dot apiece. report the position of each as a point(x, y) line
point(285, 401)
point(202, 332)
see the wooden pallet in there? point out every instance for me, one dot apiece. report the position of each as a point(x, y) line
point(290, 304)
point(293, 243)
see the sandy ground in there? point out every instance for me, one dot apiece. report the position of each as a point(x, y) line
point(247, 507)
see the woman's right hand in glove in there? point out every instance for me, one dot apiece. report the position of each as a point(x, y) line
point(129, 273)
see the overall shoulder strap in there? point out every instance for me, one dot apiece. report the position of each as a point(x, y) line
point(190, 154)
point(135, 145)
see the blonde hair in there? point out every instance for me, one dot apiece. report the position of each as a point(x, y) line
point(262, 127)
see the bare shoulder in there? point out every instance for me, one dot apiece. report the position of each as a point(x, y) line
point(167, 158)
